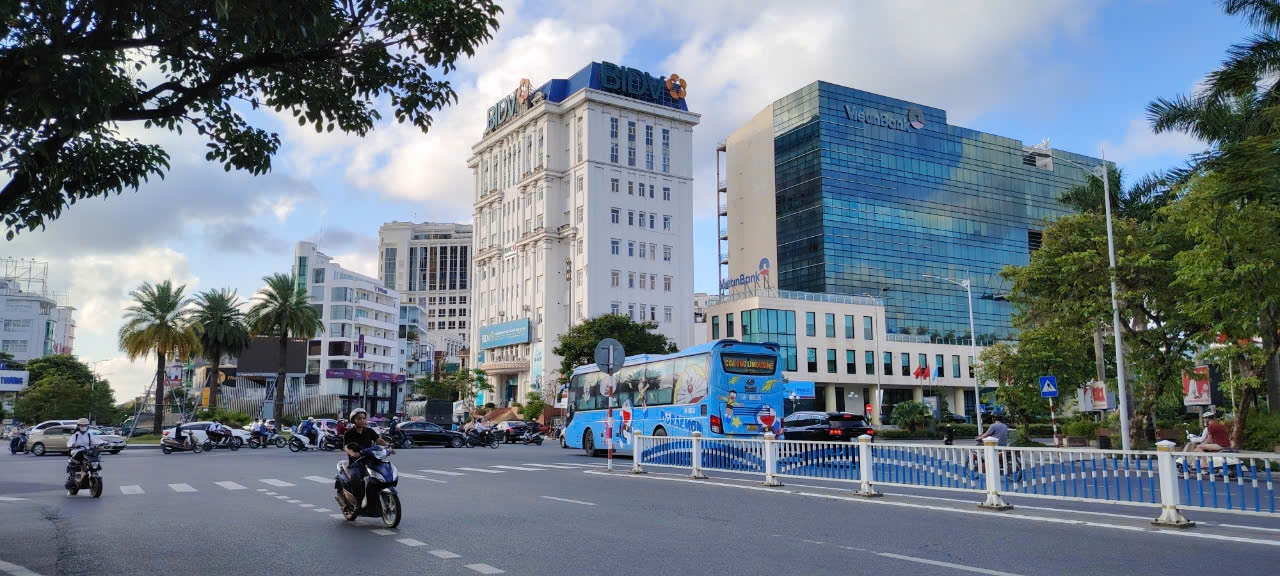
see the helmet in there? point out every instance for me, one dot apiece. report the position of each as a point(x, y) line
point(311, 418)
point(358, 411)
point(1210, 415)
point(82, 422)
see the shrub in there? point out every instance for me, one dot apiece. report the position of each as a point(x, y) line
point(228, 418)
point(911, 415)
point(904, 434)
point(1080, 428)
point(1043, 430)
point(490, 405)
point(1262, 432)
point(962, 430)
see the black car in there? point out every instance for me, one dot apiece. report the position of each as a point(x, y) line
point(832, 426)
point(427, 433)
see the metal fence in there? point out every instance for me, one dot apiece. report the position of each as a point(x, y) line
point(1221, 482)
point(249, 395)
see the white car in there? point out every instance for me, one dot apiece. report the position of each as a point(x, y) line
point(198, 429)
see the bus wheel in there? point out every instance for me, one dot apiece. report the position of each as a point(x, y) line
point(589, 444)
point(659, 431)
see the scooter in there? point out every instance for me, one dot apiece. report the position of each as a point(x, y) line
point(381, 500)
point(169, 445)
point(300, 443)
point(272, 439)
point(18, 443)
point(531, 437)
point(1218, 464)
point(228, 441)
point(85, 474)
point(488, 438)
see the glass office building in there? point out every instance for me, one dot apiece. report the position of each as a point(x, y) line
point(871, 193)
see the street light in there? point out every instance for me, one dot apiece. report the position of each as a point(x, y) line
point(1104, 174)
point(973, 345)
point(92, 382)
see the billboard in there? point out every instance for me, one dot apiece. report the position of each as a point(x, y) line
point(505, 334)
point(1094, 396)
point(13, 380)
point(1195, 387)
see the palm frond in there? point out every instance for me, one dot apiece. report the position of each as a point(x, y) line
point(1260, 14)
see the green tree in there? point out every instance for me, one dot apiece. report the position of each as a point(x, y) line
point(911, 415)
point(59, 396)
point(72, 72)
point(221, 327)
point(577, 346)
point(7, 358)
point(1043, 350)
point(158, 322)
point(64, 365)
point(436, 387)
point(281, 310)
point(533, 405)
point(457, 385)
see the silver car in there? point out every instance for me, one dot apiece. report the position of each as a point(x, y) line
point(53, 440)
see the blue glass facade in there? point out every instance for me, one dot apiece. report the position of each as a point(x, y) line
point(873, 192)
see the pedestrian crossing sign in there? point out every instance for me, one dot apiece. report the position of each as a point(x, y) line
point(1048, 386)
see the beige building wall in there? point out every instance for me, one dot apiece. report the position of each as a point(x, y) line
point(752, 217)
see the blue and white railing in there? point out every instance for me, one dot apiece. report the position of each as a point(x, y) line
point(1173, 481)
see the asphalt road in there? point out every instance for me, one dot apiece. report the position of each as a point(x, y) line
point(533, 510)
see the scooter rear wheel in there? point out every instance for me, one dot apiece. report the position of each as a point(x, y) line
point(166, 449)
point(295, 445)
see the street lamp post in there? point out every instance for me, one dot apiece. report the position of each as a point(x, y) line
point(92, 384)
point(973, 345)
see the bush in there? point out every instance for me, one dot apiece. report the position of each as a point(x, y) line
point(911, 415)
point(228, 418)
point(1262, 432)
point(905, 434)
point(962, 430)
point(1042, 430)
point(1080, 428)
point(1017, 438)
point(490, 405)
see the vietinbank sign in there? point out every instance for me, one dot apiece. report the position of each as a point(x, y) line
point(748, 279)
point(914, 118)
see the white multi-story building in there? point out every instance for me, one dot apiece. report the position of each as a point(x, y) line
point(430, 264)
point(583, 206)
point(358, 355)
point(32, 324)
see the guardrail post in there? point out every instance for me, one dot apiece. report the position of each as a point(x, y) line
point(1169, 498)
point(697, 456)
point(770, 460)
point(865, 467)
point(991, 468)
point(637, 453)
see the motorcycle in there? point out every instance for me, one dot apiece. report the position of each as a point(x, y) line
point(228, 441)
point(85, 474)
point(272, 439)
point(531, 437)
point(488, 438)
point(18, 443)
point(1220, 464)
point(170, 445)
point(300, 443)
point(381, 500)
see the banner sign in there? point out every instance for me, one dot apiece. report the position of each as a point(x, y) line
point(1195, 387)
point(505, 334)
point(363, 375)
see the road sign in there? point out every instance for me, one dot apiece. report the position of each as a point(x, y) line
point(1048, 386)
point(610, 356)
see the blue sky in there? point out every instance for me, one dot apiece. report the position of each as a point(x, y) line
point(1080, 72)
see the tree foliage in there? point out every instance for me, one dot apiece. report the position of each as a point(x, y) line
point(220, 325)
point(911, 415)
point(534, 404)
point(71, 72)
point(158, 322)
point(577, 346)
point(280, 310)
point(63, 388)
point(458, 385)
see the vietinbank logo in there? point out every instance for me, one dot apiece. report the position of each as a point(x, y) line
point(914, 119)
point(764, 267)
point(747, 279)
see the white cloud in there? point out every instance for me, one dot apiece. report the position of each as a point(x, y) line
point(101, 284)
point(1140, 143)
point(283, 207)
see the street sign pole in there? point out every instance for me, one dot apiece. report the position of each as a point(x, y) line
point(1053, 416)
point(1049, 389)
point(608, 427)
point(609, 357)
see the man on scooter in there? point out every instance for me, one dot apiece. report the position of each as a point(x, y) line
point(308, 429)
point(80, 441)
point(357, 438)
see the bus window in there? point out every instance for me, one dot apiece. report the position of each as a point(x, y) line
point(589, 392)
point(630, 379)
point(658, 383)
point(690, 375)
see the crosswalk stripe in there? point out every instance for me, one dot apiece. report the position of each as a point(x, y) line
point(320, 479)
point(520, 468)
point(229, 485)
point(582, 465)
point(383, 532)
point(10, 499)
point(274, 482)
point(481, 470)
point(270, 493)
point(443, 554)
point(306, 505)
point(182, 488)
point(131, 489)
point(556, 466)
point(417, 477)
point(410, 542)
point(321, 510)
point(484, 569)
point(292, 501)
point(338, 516)
point(443, 472)
point(262, 489)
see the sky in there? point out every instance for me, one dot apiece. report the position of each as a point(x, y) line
point(1079, 72)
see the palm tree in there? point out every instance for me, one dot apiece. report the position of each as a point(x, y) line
point(281, 310)
point(158, 323)
point(221, 327)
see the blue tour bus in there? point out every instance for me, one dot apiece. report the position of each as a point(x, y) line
point(722, 389)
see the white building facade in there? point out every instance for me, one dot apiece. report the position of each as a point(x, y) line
point(430, 264)
point(583, 207)
point(357, 356)
point(32, 323)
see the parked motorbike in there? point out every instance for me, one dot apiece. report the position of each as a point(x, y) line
point(380, 500)
point(18, 443)
point(531, 437)
point(300, 443)
point(85, 474)
point(273, 439)
point(170, 445)
point(487, 438)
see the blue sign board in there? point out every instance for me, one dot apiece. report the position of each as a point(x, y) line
point(1048, 386)
point(505, 334)
point(803, 390)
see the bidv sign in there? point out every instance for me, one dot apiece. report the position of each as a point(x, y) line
point(507, 108)
point(914, 119)
point(762, 274)
point(639, 84)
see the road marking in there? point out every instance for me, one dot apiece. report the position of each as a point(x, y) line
point(382, 532)
point(484, 568)
point(319, 479)
point(16, 570)
point(271, 493)
point(960, 567)
point(229, 485)
point(321, 510)
point(557, 466)
point(417, 477)
point(274, 482)
point(338, 516)
point(520, 468)
point(131, 489)
point(182, 488)
point(410, 542)
point(569, 501)
point(582, 465)
point(10, 499)
point(262, 489)
point(306, 505)
point(282, 497)
point(292, 501)
point(481, 470)
point(443, 472)
point(443, 554)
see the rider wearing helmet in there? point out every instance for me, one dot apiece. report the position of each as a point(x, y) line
point(357, 438)
point(79, 441)
point(308, 429)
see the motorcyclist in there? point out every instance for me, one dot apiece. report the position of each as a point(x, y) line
point(997, 430)
point(79, 441)
point(308, 429)
point(258, 429)
point(343, 426)
point(357, 438)
point(177, 434)
point(217, 432)
point(478, 428)
point(18, 438)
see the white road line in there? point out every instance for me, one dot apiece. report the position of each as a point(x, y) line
point(410, 542)
point(557, 466)
point(321, 510)
point(484, 568)
point(306, 505)
point(274, 482)
point(960, 567)
point(131, 489)
point(382, 532)
point(319, 479)
point(338, 516)
point(10, 499)
point(482, 470)
point(262, 489)
point(568, 500)
point(582, 465)
point(282, 497)
point(443, 554)
point(182, 488)
point(271, 493)
point(443, 472)
point(418, 477)
point(16, 570)
point(229, 485)
point(520, 468)
point(292, 501)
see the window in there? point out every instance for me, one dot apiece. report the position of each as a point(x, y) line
point(388, 268)
point(666, 222)
point(631, 248)
point(631, 188)
point(651, 220)
point(642, 276)
point(715, 327)
point(923, 360)
point(642, 253)
point(648, 135)
point(955, 365)
point(666, 150)
point(938, 366)
point(613, 128)
point(850, 365)
point(631, 217)
point(631, 279)
point(971, 366)
point(831, 361)
point(888, 364)
point(666, 314)
point(831, 325)
point(653, 313)
point(648, 159)
point(666, 193)
point(614, 215)
point(653, 251)
point(653, 282)
point(613, 246)
point(812, 359)
point(613, 185)
point(651, 191)
point(631, 311)
point(614, 276)
point(728, 325)
point(666, 283)
point(631, 131)
point(578, 214)
point(631, 156)
point(666, 253)
point(906, 364)
point(869, 359)
point(866, 328)
point(642, 219)
point(848, 326)
point(580, 245)
point(613, 152)
point(614, 307)
point(317, 276)
point(810, 324)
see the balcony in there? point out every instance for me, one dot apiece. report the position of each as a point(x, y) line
point(504, 366)
point(724, 209)
point(722, 186)
point(724, 233)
